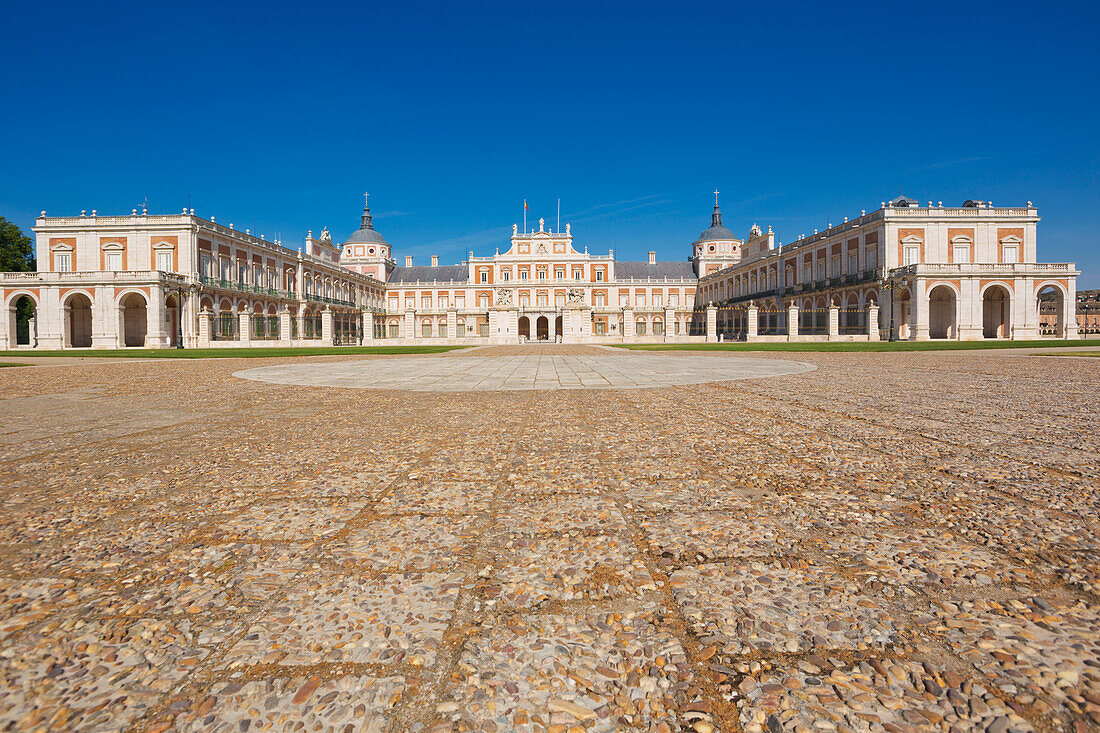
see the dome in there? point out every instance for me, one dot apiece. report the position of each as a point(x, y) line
point(716, 231)
point(366, 233)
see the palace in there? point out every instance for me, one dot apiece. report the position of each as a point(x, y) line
point(902, 271)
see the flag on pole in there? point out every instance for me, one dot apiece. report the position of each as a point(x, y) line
point(525, 204)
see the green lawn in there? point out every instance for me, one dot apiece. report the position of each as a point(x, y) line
point(235, 353)
point(11, 363)
point(855, 346)
point(1075, 353)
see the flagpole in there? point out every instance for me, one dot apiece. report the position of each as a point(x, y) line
point(525, 217)
point(559, 215)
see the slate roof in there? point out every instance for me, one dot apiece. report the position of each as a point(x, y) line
point(656, 271)
point(424, 273)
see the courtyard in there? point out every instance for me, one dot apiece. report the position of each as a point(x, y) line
point(585, 539)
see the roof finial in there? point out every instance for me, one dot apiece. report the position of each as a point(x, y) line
point(716, 217)
point(365, 221)
point(716, 197)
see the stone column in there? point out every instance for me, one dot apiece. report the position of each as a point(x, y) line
point(103, 313)
point(752, 322)
point(300, 317)
point(244, 319)
point(284, 324)
point(872, 323)
point(792, 321)
point(628, 323)
point(834, 321)
point(368, 327)
point(327, 327)
point(1069, 305)
point(919, 305)
point(551, 328)
point(204, 328)
point(410, 325)
point(712, 325)
point(156, 335)
point(452, 323)
point(7, 328)
point(670, 323)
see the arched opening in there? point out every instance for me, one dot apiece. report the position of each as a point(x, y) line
point(995, 312)
point(23, 321)
point(78, 315)
point(172, 319)
point(135, 319)
point(942, 313)
point(557, 326)
point(525, 328)
point(1051, 306)
point(902, 313)
point(542, 328)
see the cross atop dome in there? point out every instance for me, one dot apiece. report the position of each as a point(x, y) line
point(716, 197)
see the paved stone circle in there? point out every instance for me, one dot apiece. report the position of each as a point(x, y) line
point(526, 372)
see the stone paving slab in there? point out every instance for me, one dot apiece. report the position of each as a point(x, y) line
point(359, 703)
point(344, 619)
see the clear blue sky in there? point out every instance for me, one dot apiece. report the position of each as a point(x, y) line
point(276, 116)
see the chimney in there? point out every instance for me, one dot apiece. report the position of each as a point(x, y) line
point(435, 260)
point(652, 258)
point(408, 260)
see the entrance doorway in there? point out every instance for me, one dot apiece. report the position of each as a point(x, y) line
point(542, 328)
point(557, 326)
point(941, 313)
point(995, 313)
point(79, 312)
point(135, 320)
point(525, 328)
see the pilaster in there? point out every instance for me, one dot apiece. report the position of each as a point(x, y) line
point(712, 325)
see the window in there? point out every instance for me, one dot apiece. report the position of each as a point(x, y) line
point(484, 276)
point(483, 302)
point(599, 299)
point(639, 300)
point(164, 260)
point(853, 263)
point(658, 300)
point(578, 274)
point(393, 304)
point(63, 261)
point(912, 255)
point(1010, 254)
point(542, 274)
point(599, 276)
point(114, 261)
point(559, 274)
point(673, 300)
point(525, 300)
point(601, 328)
point(426, 330)
point(542, 299)
point(523, 274)
point(505, 275)
point(961, 253)
point(442, 330)
point(624, 300)
point(460, 329)
point(443, 302)
point(559, 300)
point(460, 302)
point(658, 328)
point(395, 330)
point(639, 328)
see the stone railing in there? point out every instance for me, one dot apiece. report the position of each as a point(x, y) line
point(986, 268)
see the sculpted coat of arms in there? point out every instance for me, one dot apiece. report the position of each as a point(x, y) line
point(504, 296)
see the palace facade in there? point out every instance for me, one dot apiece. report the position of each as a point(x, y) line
point(904, 271)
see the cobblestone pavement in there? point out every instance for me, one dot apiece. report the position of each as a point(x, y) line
point(891, 542)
